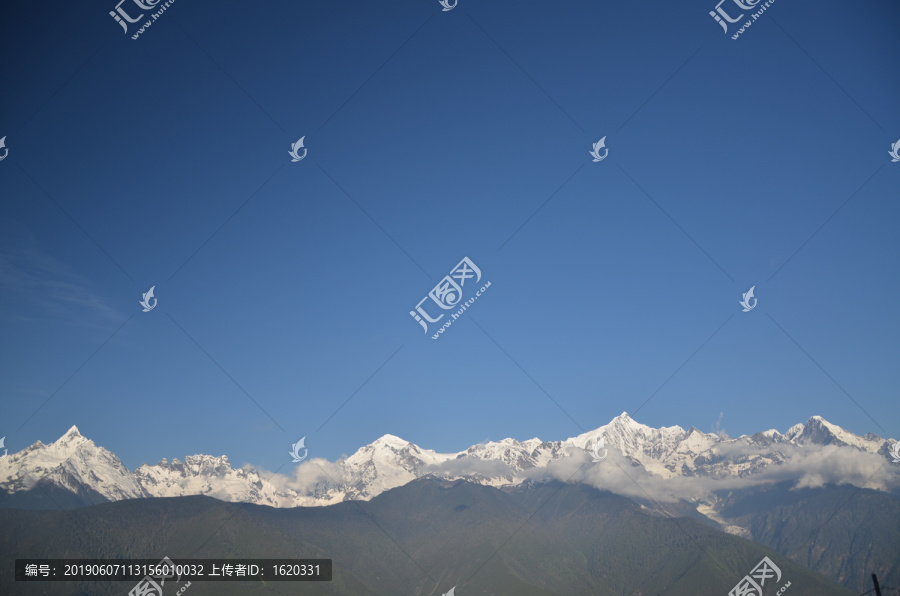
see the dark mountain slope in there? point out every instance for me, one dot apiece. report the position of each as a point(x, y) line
point(419, 539)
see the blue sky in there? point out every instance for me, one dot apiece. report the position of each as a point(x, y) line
point(284, 289)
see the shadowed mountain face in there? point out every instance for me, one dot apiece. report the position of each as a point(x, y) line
point(862, 533)
point(420, 539)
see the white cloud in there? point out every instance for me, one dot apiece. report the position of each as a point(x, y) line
point(468, 466)
point(314, 473)
point(811, 466)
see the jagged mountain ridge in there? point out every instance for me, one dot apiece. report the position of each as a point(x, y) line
point(70, 462)
point(74, 462)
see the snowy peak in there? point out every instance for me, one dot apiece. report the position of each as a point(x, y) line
point(818, 431)
point(623, 424)
point(696, 442)
point(794, 431)
point(70, 441)
point(392, 441)
point(633, 438)
point(72, 432)
point(212, 476)
point(515, 455)
point(195, 465)
point(75, 463)
point(72, 462)
point(386, 463)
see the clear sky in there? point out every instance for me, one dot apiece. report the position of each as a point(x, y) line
point(284, 289)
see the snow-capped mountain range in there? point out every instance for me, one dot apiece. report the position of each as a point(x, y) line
point(660, 460)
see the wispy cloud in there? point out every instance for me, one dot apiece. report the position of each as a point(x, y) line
point(717, 428)
point(34, 285)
